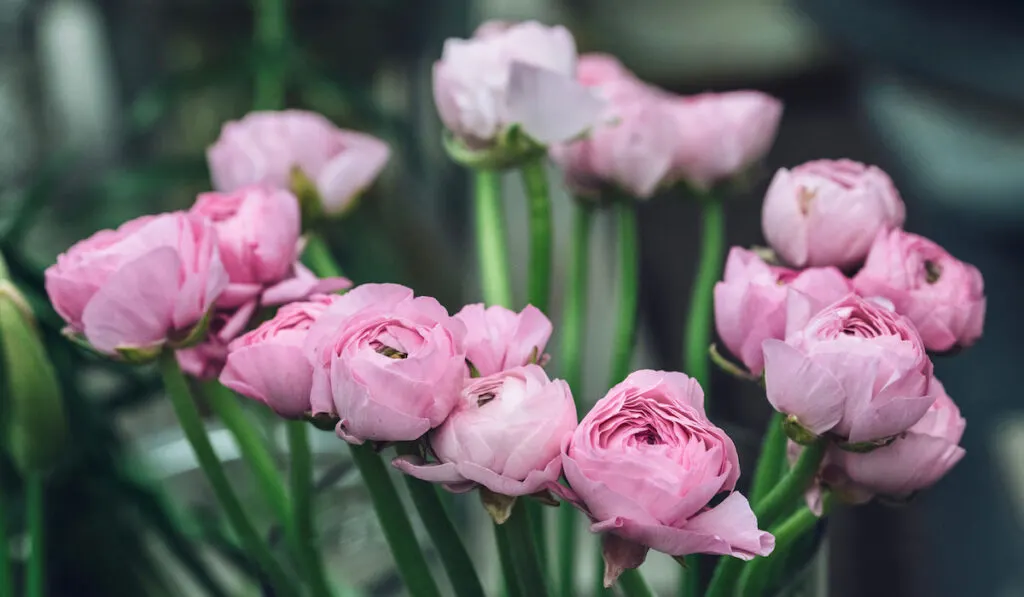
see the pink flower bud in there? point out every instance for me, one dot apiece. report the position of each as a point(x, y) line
point(944, 297)
point(827, 212)
point(855, 369)
point(722, 134)
point(645, 464)
point(391, 366)
point(750, 301)
point(269, 364)
point(512, 74)
point(498, 338)
point(264, 147)
point(505, 434)
point(140, 285)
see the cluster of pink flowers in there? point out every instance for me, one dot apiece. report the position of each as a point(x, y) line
point(843, 339)
point(159, 280)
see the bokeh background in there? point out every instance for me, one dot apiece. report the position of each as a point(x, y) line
point(106, 107)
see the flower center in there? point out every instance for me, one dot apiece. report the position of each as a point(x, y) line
point(932, 271)
point(804, 198)
point(484, 398)
point(384, 349)
point(648, 436)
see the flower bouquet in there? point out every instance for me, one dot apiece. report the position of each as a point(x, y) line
point(239, 298)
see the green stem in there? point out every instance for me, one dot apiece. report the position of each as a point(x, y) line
point(771, 464)
point(454, 557)
point(490, 239)
point(629, 285)
point(252, 448)
point(35, 513)
point(192, 426)
point(791, 488)
point(394, 521)
point(698, 323)
point(574, 319)
point(633, 584)
point(317, 256)
point(756, 573)
point(522, 544)
point(599, 588)
point(271, 36)
point(508, 566)
point(301, 482)
point(535, 179)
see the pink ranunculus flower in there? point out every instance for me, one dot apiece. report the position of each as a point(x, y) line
point(645, 463)
point(498, 338)
point(722, 134)
point(917, 459)
point(269, 364)
point(264, 147)
point(135, 288)
point(505, 434)
point(944, 297)
point(827, 212)
point(510, 74)
point(389, 365)
point(632, 149)
point(750, 301)
point(855, 369)
point(206, 359)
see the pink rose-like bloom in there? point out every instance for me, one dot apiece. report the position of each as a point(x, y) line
point(505, 434)
point(645, 463)
point(750, 301)
point(264, 147)
point(269, 364)
point(507, 74)
point(498, 338)
point(135, 287)
point(827, 212)
point(855, 369)
point(391, 366)
point(722, 134)
point(944, 297)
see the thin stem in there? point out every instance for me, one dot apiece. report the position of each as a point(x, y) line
point(633, 584)
point(318, 257)
point(508, 566)
point(35, 513)
point(574, 318)
point(252, 448)
point(394, 521)
point(490, 239)
point(629, 286)
point(698, 323)
point(454, 557)
point(756, 573)
point(791, 488)
point(524, 555)
point(192, 426)
point(772, 463)
point(599, 588)
point(536, 181)
point(271, 36)
point(301, 482)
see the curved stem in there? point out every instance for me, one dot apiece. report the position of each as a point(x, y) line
point(536, 181)
point(699, 320)
point(771, 464)
point(395, 523)
point(629, 286)
point(490, 239)
point(755, 574)
point(6, 580)
point(454, 557)
point(271, 36)
point(318, 257)
point(192, 426)
point(522, 544)
point(35, 513)
point(633, 584)
point(304, 534)
point(791, 488)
